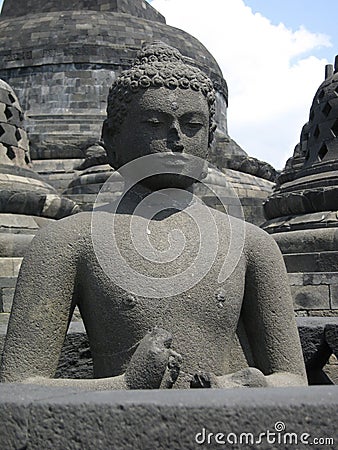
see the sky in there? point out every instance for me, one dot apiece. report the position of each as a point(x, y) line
point(272, 54)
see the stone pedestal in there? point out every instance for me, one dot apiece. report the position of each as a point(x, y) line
point(36, 418)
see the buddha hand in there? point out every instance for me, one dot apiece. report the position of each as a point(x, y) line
point(248, 377)
point(154, 364)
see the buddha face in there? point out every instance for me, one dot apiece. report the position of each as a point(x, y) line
point(173, 124)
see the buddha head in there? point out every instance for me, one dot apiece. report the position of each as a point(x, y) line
point(160, 106)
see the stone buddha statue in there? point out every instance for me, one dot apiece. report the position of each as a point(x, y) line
point(172, 294)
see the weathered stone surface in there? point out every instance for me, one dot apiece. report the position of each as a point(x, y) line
point(53, 418)
point(311, 297)
point(64, 88)
point(23, 195)
point(334, 296)
point(319, 340)
point(316, 350)
point(317, 335)
point(75, 360)
point(331, 336)
point(326, 295)
point(330, 278)
point(6, 299)
point(137, 8)
point(331, 371)
point(296, 279)
point(302, 211)
point(312, 262)
point(22, 190)
point(242, 163)
point(250, 190)
point(14, 148)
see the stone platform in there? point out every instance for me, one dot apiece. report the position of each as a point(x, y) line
point(52, 418)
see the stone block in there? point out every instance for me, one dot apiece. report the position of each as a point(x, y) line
point(321, 278)
point(60, 418)
point(311, 297)
point(301, 314)
point(334, 296)
point(75, 360)
point(7, 282)
point(312, 262)
point(301, 262)
point(331, 336)
point(316, 350)
point(323, 313)
point(332, 372)
point(7, 295)
point(296, 279)
point(9, 267)
point(328, 261)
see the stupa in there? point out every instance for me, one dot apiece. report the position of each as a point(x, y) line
point(27, 202)
point(302, 211)
point(61, 58)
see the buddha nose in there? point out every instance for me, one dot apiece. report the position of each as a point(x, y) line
point(175, 138)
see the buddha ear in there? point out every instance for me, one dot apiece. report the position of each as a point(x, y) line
point(108, 139)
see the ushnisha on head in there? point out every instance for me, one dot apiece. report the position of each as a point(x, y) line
point(161, 68)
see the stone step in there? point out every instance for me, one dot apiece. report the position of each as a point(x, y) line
point(56, 165)
point(311, 261)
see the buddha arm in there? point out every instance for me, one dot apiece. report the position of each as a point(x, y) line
point(268, 313)
point(44, 301)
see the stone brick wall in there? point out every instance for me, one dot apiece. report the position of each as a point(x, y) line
point(63, 100)
point(315, 293)
point(311, 260)
point(62, 65)
point(139, 8)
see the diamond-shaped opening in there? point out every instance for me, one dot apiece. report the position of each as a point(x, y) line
point(11, 98)
point(27, 160)
point(10, 153)
point(8, 113)
point(316, 132)
point(18, 135)
point(321, 94)
point(334, 128)
point(327, 109)
point(322, 152)
point(2, 131)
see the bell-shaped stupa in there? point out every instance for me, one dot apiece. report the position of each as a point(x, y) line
point(302, 211)
point(62, 56)
point(27, 202)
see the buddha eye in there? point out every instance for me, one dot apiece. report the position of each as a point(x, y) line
point(154, 123)
point(194, 125)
